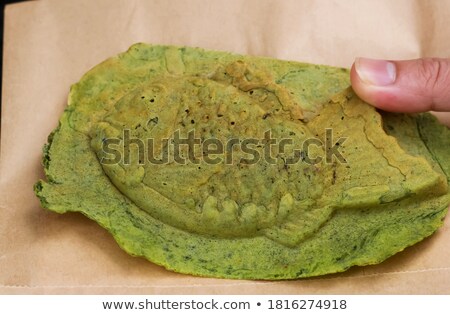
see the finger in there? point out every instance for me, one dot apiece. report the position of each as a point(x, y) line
point(403, 86)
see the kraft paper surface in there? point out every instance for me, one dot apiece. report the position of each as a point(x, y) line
point(50, 44)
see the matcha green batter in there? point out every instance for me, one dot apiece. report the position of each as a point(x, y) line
point(242, 218)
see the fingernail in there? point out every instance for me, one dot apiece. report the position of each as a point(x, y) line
point(375, 72)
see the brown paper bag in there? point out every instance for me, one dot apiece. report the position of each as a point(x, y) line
point(50, 44)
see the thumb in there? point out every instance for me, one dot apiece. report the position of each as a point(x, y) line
point(403, 86)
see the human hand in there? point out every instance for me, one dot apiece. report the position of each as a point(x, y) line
point(408, 86)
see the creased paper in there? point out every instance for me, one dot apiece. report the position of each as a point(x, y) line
point(50, 44)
